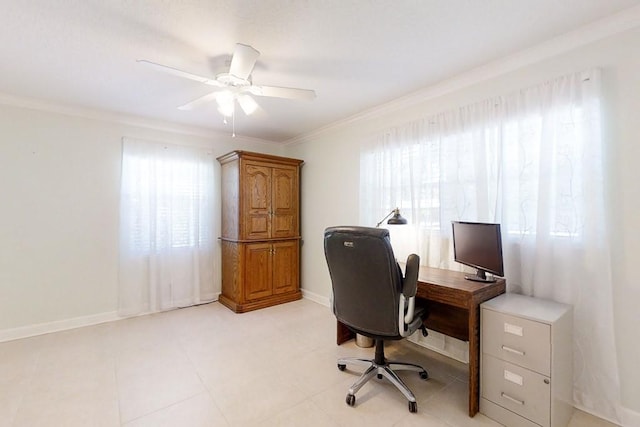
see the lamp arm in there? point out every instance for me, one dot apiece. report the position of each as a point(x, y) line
point(388, 215)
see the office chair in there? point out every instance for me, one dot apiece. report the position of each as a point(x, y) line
point(371, 298)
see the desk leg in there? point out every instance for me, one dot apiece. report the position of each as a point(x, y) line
point(343, 334)
point(474, 359)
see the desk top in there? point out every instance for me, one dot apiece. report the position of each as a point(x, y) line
point(450, 287)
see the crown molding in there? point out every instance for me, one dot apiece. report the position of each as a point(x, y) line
point(119, 118)
point(618, 23)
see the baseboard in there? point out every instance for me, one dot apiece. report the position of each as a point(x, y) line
point(435, 341)
point(311, 296)
point(445, 345)
point(76, 322)
point(630, 417)
point(56, 326)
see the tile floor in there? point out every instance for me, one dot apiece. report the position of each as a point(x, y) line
point(206, 366)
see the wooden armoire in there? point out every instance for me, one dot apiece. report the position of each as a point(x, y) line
point(260, 230)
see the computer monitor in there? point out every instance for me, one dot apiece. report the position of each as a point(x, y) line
point(478, 245)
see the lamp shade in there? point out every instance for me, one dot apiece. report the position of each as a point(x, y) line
point(397, 219)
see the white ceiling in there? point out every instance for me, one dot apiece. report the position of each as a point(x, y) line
point(355, 54)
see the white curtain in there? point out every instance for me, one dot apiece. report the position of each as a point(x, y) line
point(166, 227)
point(533, 162)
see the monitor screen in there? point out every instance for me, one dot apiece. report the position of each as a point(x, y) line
point(478, 245)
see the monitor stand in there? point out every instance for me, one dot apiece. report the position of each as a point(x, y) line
point(480, 279)
point(480, 276)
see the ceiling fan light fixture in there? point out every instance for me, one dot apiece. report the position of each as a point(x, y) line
point(248, 104)
point(225, 97)
point(225, 100)
point(226, 110)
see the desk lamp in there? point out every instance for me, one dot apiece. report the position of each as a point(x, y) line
point(396, 219)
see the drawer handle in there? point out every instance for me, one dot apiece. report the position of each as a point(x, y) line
point(512, 399)
point(513, 350)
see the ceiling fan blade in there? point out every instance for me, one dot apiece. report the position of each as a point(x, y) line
point(243, 61)
point(179, 73)
point(248, 104)
point(199, 101)
point(283, 92)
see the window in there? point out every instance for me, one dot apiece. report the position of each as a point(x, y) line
point(167, 195)
point(167, 255)
point(531, 161)
point(527, 170)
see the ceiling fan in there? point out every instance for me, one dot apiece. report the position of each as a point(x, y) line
point(234, 85)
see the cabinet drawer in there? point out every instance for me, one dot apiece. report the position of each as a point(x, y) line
point(517, 389)
point(520, 341)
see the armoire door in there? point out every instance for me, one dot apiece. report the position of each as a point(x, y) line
point(258, 271)
point(285, 266)
point(256, 197)
point(284, 198)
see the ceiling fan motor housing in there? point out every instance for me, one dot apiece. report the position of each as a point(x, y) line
point(229, 79)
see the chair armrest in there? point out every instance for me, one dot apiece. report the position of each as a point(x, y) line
point(410, 282)
point(410, 287)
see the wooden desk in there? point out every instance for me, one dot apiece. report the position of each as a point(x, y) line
point(454, 310)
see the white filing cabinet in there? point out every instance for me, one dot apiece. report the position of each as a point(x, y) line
point(526, 369)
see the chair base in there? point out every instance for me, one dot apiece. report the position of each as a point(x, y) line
point(381, 367)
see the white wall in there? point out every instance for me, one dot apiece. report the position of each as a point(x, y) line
point(331, 171)
point(59, 197)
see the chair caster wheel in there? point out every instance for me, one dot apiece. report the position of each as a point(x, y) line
point(341, 367)
point(413, 407)
point(351, 399)
point(424, 375)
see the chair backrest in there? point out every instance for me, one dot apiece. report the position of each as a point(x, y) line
point(366, 279)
